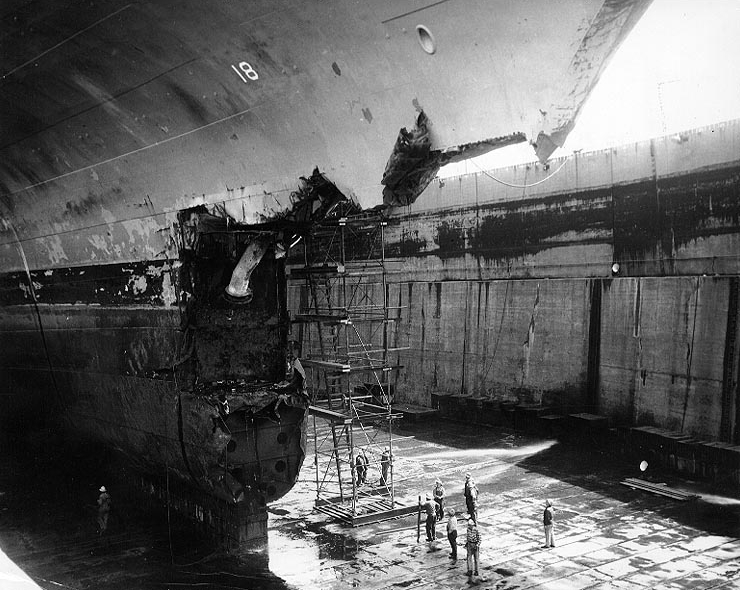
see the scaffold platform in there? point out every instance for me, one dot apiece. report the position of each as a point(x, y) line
point(368, 512)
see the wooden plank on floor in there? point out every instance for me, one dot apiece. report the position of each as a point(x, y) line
point(367, 513)
point(379, 516)
point(661, 489)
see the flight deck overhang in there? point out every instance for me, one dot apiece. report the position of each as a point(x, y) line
point(113, 112)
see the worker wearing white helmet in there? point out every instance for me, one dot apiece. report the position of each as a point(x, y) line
point(104, 501)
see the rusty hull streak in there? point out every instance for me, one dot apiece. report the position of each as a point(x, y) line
point(644, 220)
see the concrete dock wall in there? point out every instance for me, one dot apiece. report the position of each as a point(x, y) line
point(507, 290)
point(662, 352)
point(512, 340)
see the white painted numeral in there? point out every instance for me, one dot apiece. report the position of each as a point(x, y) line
point(245, 72)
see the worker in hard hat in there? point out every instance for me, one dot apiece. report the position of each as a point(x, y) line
point(104, 501)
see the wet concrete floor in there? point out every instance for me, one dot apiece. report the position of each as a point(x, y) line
point(607, 536)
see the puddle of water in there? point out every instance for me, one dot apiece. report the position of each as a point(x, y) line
point(306, 561)
point(304, 554)
point(294, 560)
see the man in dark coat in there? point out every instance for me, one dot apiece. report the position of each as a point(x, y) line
point(361, 467)
point(547, 522)
point(471, 497)
point(439, 497)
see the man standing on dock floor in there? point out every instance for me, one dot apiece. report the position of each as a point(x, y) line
point(472, 544)
point(104, 501)
point(547, 521)
point(470, 491)
point(452, 533)
point(431, 524)
point(439, 498)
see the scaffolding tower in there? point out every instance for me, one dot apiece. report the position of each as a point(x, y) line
point(348, 334)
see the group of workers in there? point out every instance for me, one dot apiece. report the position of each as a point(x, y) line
point(435, 510)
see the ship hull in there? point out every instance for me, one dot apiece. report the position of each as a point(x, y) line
point(122, 115)
point(195, 392)
point(113, 384)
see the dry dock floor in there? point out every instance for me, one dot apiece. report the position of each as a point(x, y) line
point(607, 536)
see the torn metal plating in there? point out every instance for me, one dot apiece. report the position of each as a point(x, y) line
point(413, 164)
point(242, 417)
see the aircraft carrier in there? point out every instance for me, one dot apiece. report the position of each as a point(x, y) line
point(158, 159)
